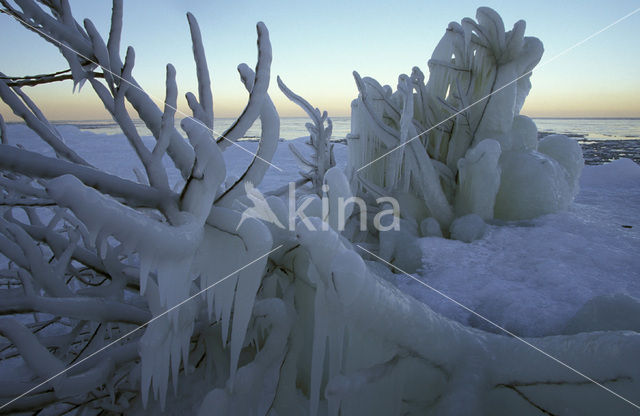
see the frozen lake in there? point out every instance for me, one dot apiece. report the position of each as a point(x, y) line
point(293, 127)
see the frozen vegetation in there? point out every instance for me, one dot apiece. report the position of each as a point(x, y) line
point(465, 149)
point(101, 235)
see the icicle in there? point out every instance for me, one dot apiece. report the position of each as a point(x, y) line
point(169, 258)
point(320, 329)
point(227, 247)
point(145, 268)
point(217, 257)
point(328, 326)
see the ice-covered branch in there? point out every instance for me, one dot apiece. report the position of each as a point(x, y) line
point(208, 173)
point(32, 81)
point(77, 47)
point(98, 211)
point(204, 109)
point(478, 80)
point(33, 164)
point(58, 243)
point(80, 259)
point(37, 357)
point(388, 135)
point(115, 34)
point(11, 250)
point(319, 140)
point(49, 28)
point(83, 378)
point(100, 52)
point(82, 308)
point(42, 271)
point(41, 127)
point(269, 137)
point(258, 92)
point(153, 166)
point(179, 151)
point(465, 362)
point(400, 140)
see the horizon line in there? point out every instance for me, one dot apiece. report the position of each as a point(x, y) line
point(61, 120)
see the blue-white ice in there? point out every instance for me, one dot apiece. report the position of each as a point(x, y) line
point(530, 277)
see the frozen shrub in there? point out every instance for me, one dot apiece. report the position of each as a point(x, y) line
point(99, 255)
point(455, 142)
point(269, 320)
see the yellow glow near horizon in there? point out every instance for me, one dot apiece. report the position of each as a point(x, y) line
point(582, 104)
point(57, 103)
point(86, 107)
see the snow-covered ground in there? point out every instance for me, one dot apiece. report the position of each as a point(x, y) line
point(530, 277)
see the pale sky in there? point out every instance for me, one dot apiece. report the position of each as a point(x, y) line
point(317, 45)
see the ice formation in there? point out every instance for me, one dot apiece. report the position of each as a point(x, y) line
point(479, 175)
point(293, 314)
point(155, 248)
point(468, 228)
point(322, 158)
point(429, 364)
point(457, 144)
